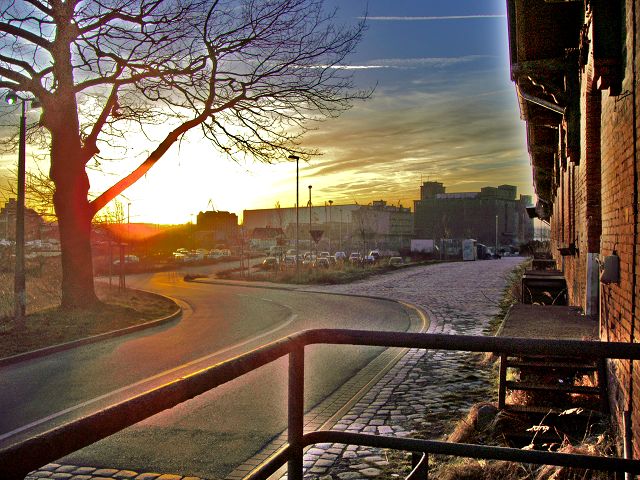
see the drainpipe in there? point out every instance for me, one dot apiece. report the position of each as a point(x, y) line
point(593, 284)
point(543, 103)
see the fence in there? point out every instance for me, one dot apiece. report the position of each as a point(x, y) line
point(19, 459)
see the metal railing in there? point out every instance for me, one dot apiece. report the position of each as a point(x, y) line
point(17, 460)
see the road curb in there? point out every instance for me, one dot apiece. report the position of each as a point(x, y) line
point(388, 359)
point(301, 289)
point(41, 352)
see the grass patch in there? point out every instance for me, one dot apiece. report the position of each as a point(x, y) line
point(511, 295)
point(43, 280)
point(47, 325)
point(317, 276)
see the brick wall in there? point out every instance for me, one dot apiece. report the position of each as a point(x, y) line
point(619, 229)
point(595, 205)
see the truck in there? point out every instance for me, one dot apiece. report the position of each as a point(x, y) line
point(422, 246)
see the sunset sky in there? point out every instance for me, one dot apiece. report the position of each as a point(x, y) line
point(443, 109)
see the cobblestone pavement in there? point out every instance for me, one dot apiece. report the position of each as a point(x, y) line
point(425, 390)
point(418, 396)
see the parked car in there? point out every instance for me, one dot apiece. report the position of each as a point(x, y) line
point(375, 254)
point(322, 262)
point(197, 255)
point(309, 261)
point(340, 256)
point(355, 258)
point(127, 259)
point(270, 263)
point(396, 262)
point(289, 261)
point(369, 259)
point(324, 254)
point(179, 257)
point(483, 252)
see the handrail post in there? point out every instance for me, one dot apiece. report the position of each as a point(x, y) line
point(296, 412)
point(419, 466)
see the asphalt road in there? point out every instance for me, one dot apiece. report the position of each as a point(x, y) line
point(213, 433)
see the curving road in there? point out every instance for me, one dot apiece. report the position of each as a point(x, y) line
point(212, 434)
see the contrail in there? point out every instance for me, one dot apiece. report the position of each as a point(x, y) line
point(447, 17)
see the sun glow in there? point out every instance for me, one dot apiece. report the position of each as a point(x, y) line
point(196, 178)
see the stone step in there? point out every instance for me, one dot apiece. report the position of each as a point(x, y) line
point(590, 367)
point(527, 386)
point(556, 411)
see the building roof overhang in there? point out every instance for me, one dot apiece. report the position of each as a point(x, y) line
point(543, 39)
point(550, 42)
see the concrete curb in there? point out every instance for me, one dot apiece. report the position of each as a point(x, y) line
point(41, 352)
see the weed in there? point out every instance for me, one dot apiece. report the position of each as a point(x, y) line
point(468, 469)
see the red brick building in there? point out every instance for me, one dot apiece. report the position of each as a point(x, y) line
point(575, 65)
point(33, 223)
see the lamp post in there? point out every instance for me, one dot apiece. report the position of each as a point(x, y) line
point(340, 231)
point(297, 159)
point(310, 217)
point(496, 251)
point(20, 298)
point(330, 203)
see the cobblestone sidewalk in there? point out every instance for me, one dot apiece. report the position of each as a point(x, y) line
point(425, 390)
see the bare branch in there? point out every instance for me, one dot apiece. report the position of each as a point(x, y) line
point(40, 6)
point(98, 203)
point(25, 35)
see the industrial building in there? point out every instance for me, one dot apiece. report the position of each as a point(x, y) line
point(216, 228)
point(382, 226)
point(335, 221)
point(493, 216)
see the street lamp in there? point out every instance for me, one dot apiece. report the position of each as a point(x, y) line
point(20, 297)
point(340, 231)
point(330, 203)
point(309, 217)
point(496, 252)
point(297, 159)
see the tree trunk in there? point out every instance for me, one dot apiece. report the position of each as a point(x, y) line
point(74, 222)
point(72, 208)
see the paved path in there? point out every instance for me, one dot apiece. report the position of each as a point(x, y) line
point(420, 394)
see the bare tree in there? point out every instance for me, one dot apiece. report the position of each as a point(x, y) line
point(39, 190)
point(365, 225)
point(249, 74)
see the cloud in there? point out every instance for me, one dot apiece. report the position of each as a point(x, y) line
point(467, 135)
point(405, 63)
point(430, 18)
point(437, 62)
